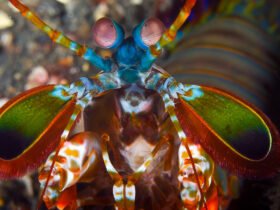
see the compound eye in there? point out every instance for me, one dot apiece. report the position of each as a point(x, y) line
point(106, 33)
point(151, 31)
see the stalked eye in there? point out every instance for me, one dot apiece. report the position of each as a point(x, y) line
point(107, 33)
point(151, 31)
point(148, 32)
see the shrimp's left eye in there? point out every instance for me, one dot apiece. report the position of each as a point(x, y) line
point(148, 33)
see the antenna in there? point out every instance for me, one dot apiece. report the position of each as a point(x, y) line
point(169, 35)
point(57, 37)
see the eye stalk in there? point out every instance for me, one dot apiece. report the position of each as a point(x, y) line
point(148, 32)
point(107, 33)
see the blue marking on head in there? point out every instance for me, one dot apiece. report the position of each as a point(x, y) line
point(131, 56)
point(128, 59)
point(128, 54)
point(129, 75)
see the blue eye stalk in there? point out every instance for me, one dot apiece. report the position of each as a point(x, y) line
point(120, 35)
point(137, 36)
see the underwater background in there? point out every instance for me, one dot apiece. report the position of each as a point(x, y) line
point(230, 44)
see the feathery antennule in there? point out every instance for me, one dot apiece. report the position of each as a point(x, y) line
point(57, 37)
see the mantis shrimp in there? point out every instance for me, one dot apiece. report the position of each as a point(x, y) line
point(152, 147)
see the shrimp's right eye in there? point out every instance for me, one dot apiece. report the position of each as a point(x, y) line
point(148, 33)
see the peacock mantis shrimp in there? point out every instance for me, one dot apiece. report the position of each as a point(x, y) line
point(146, 150)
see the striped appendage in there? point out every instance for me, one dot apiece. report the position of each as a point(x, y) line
point(124, 193)
point(167, 87)
point(169, 35)
point(190, 193)
point(73, 160)
point(56, 36)
point(82, 100)
point(169, 105)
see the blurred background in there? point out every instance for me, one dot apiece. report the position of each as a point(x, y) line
point(230, 44)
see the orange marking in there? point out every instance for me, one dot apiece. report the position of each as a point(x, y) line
point(189, 93)
point(81, 51)
point(72, 152)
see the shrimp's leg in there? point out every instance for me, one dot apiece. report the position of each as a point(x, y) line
point(119, 186)
point(124, 191)
point(57, 37)
point(74, 159)
point(190, 193)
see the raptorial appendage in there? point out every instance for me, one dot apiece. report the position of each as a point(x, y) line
point(73, 160)
point(79, 155)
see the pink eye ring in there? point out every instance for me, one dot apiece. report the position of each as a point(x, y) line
point(105, 33)
point(152, 31)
